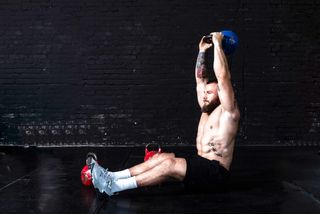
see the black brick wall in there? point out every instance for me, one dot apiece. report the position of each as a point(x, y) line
point(76, 72)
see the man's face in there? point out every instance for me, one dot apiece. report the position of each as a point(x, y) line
point(210, 98)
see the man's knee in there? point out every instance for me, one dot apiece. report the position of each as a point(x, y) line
point(169, 162)
point(167, 165)
point(163, 156)
point(175, 167)
point(167, 155)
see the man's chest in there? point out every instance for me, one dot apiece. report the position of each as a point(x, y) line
point(209, 124)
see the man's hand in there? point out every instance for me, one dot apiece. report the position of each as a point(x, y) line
point(203, 46)
point(217, 38)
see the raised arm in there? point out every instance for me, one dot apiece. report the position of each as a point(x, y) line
point(201, 71)
point(221, 70)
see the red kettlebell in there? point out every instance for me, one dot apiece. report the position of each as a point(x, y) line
point(86, 178)
point(85, 174)
point(151, 149)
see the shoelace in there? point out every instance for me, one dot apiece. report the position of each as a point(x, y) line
point(108, 178)
point(105, 174)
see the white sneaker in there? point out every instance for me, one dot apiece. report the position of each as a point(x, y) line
point(101, 178)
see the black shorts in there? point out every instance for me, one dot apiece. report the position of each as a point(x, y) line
point(205, 174)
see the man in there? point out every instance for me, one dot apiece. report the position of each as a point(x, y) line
point(215, 139)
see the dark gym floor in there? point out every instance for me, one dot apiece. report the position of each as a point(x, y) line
point(264, 180)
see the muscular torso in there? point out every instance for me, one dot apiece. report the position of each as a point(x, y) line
point(216, 135)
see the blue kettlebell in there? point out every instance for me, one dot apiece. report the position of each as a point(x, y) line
point(229, 42)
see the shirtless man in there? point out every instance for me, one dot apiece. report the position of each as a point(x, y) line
point(215, 139)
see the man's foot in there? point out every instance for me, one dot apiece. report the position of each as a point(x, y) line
point(101, 178)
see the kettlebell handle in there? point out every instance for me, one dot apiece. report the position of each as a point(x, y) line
point(146, 149)
point(229, 42)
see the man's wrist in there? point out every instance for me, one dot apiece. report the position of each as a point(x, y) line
point(202, 50)
point(217, 44)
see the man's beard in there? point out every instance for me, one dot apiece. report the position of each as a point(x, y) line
point(208, 108)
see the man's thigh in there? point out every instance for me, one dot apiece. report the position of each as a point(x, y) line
point(179, 168)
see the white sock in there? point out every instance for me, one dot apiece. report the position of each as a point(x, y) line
point(124, 184)
point(121, 174)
